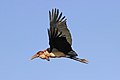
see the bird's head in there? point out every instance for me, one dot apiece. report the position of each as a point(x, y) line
point(37, 55)
point(40, 54)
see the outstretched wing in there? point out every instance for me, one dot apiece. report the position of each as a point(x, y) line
point(56, 20)
point(59, 35)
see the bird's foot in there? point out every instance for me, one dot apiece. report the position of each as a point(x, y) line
point(84, 61)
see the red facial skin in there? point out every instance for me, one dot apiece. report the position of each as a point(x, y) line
point(41, 54)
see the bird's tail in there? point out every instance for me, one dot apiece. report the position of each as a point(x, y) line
point(72, 53)
point(80, 60)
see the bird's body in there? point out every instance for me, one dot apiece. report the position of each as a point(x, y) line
point(60, 39)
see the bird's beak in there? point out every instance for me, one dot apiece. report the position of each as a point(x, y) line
point(35, 56)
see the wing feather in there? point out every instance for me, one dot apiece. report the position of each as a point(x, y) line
point(59, 35)
point(56, 20)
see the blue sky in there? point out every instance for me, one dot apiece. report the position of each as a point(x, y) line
point(95, 28)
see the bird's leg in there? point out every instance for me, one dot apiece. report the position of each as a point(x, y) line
point(80, 60)
point(84, 61)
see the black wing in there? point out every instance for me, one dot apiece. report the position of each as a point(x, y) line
point(59, 35)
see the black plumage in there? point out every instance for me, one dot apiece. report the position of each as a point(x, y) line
point(59, 35)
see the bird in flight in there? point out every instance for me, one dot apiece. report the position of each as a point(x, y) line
point(60, 40)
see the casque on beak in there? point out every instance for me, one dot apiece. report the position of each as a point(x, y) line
point(36, 55)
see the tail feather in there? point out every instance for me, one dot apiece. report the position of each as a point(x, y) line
point(72, 53)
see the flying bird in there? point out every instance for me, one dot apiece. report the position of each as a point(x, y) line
point(60, 39)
